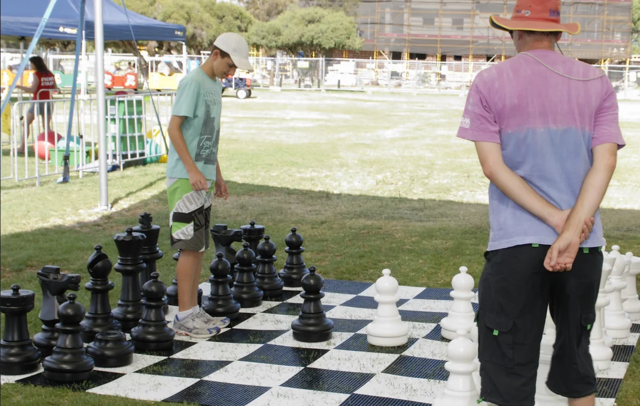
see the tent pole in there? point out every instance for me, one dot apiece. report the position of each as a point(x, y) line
point(21, 58)
point(83, 65)
point(185, 58)
point(100, 95)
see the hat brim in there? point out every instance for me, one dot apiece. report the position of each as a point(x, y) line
point(507, 24)
point(241, 63)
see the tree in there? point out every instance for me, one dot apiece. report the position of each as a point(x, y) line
point(349, 7)
point(266, 10)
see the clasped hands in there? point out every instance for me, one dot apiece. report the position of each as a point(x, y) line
point(563, 251)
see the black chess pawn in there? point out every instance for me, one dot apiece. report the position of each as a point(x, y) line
point(18, 356)
point(69, 361)
point(152, 333)
point(252, 233)
point(221, 303)
point(99, 317)
point(130, 264)
point(110, 349)
point(312, 325)
point(150, 251)
point(266, 275)
point(53, 285)
point(294, 267)
point(172, 290)
point(223, 239)
point(245, 290)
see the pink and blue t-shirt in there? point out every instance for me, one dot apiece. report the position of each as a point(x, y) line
point(546, 125)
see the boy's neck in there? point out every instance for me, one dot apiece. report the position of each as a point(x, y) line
point(207, 67)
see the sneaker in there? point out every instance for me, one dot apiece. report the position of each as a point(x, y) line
point(221, 322)
point(194, 327)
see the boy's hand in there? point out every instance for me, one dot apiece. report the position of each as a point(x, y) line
point(221, 189)
point(198, 180)
point(562, 253)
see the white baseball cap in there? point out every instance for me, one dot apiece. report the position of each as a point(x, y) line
point(236, 47)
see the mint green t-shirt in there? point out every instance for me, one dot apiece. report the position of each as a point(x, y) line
point(199, 99)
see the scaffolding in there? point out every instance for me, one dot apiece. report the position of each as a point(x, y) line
point(414, 29)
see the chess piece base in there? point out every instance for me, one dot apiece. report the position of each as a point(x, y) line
point(111, 350)
point(308, 330)
point(315, 337)
point(46, 340)
point(94, 324)
point(18, 357)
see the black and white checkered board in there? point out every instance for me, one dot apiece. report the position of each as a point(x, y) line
point(257, 362)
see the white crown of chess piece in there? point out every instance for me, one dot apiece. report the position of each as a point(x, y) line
point(615, 322)
point(544, 396)
point(461, 315)
point(600, 352)
point(631, 304)
point(387, 328)
point(461, 389)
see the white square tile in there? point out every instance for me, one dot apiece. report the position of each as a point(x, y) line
point(13, 378)
point(631, 340)
point(253, 373)
point(617, 371)
point(144, 387)
point(298, 289)
point(416, 330)
point(404, 292)
point(605, 402)
point(353, 313)
point(354, 361)
point(266, 305)
point(265, 321)
point(402, 387)
point(427, 305)
point(171, 313)
point(214, 351)
point(287, 340)
point(428, 349)
point(329, 299)
point(206, 288)
point(139, 361)
point(282, 396)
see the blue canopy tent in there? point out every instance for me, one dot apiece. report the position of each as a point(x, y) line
point(21, 19)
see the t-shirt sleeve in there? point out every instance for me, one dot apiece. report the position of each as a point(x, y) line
point(478, 122)
point(606, 125)
point(186, 99)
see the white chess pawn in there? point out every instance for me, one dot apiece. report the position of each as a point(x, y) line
point(387, 328)
point(600, 352)
point(461, 389)
point(617, 325)
point(461, 315)
point(631, 304)
point(544, 396)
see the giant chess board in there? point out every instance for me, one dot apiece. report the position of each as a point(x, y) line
point(257, 362)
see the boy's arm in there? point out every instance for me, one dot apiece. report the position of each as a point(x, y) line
point(562, 253)
point(196, 178)
point(221, 188)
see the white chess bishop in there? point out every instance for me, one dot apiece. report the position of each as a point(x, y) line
point(461, 315)
point(387, 328)
point(617, 325)
point(631, 304)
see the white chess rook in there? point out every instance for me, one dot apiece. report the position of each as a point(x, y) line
point(387, 328)
point(631, 304)
point(461, 315)
point(617, 325)
point(461, 389)
point(544, 396)
point(600, 352)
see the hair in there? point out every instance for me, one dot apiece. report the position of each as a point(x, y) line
point(38, 62)
point(222, 53)
point(539, 34)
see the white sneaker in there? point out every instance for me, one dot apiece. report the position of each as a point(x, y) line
point(194, 326)
point(221, 322)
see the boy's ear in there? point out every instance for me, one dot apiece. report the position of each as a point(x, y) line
point(215, 54)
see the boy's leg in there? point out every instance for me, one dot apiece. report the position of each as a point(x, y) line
point(188, 275)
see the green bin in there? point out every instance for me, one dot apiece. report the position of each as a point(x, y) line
point(124, 123)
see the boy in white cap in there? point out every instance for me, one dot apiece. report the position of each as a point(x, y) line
point(192, 170)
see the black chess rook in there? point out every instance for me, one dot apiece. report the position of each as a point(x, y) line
point(18, 356)
point(312, 325)
point(252, 233)
point(220, 302)
point(223, 239)
point(130, 264)
point(266, 275)
point(152, 332)
point(150, 251)
point(99, 317)
point(245, 290)
point(294, 268)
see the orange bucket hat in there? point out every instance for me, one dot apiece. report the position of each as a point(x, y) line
point(535, 15)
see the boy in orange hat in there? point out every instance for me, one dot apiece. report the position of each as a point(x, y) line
point(546, 132)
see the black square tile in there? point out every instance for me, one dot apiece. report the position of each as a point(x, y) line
point(435, 294)
point(348, 287)
point(240, 336)
point(325, 380)
point(184, 368)
point(367, 400)
point(210, 393)
point(422, 317)
point(436, 335)
point(635, 328)
point(415, 367)
point(622, 353)
point(607, 387)
point(368, 302)
point(97, 378)
point(358, 342)
point(241, 318)
point(178, 345)
point(281, 355)
point(349, 325)
point(286, 295)
point(292, 309)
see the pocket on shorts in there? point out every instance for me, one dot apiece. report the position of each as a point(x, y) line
point(587, 320)
point(497, 343)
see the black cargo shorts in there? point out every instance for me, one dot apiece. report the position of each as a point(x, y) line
point(514, 291)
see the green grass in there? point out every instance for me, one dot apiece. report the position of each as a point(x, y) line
point(370, 181)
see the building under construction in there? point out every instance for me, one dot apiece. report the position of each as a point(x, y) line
point(460, 30)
